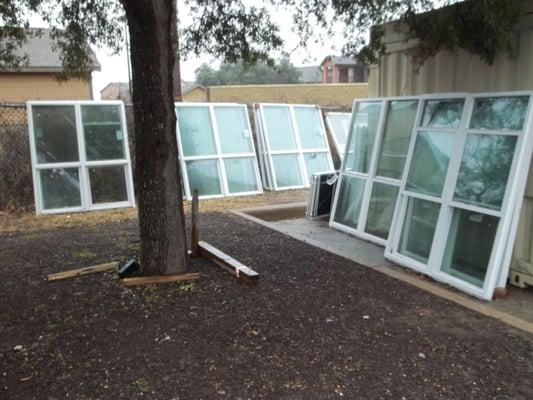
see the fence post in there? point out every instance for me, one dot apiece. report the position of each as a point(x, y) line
point(194, 224)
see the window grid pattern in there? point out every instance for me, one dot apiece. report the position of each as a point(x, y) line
point(276, 159)
point(65, 186)
point(213, 179)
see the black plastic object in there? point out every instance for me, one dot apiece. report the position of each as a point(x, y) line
point(128, 268)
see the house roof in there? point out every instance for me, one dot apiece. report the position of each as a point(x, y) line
point(42, 53)
point(338, 60)
point(121, 90)
point(310, 74)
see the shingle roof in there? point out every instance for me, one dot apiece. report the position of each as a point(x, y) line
point(42, 54)
point(310, 74)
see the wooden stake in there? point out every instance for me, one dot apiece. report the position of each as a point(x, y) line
point(234, 267)
point(147, 280)
point(194, 224)
point(83, 271)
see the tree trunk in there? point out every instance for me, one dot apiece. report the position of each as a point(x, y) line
point(159, 191)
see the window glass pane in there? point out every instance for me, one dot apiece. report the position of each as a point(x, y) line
point(396, 137)
point(195, 130)
point(418, 229)
point(316, 162)
point(381, 209)
point(349, 201)
point(308, 120)
point(485, 169)
point(430, 162)
point(108, 184)
point(279, 128)
point(340, 124)
point(240, 174)
point(499, 113)
point(287, 170)
point(60, 188)
point(469, 246)
point(102, 129)
point(359, 150)
point(233, 129)
point(443, 113)
point(203, 176)
point(55, 133)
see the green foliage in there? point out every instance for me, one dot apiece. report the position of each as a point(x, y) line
point(242, 74)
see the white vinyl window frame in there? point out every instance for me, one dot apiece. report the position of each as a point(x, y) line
point(82, 164)
point(508, 214)
point(219, 157)
point(371, 177)
point(266, 154)
point(338, 146)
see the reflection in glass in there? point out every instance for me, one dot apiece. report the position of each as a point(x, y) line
point(443, 113)
point(108, 184)
point(340, 125)
point(349, 201)
point(203, 176)
point(316, 162)
point(240, 174)
point(430, 162)
point(485, 169)
point(287, 170)
point(418, 229)
point(279, 128)
point(469, 246)
point(396, 137)
point(60, 188)
point(359, 150)
point(102, 129)
point(55, 134)
point(499, 113)
point(381, 209)
point(235, 136)
point(195, 130)
point(309, 122)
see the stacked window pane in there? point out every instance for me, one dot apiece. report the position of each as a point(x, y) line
point(292, 144)
point(462, 185)
point(338, 124)
point(80, 156)
point(216, 150)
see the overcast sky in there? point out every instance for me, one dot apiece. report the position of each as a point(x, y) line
point(115, 67)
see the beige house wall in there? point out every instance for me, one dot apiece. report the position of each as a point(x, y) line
point(196, 95)
point(332, 95)
point(459, 71)
point(20, 87)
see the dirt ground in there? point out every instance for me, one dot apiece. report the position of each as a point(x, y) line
point(316, 326)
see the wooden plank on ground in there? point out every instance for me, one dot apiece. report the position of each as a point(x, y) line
point(147, 280)
point(83, 271)
point(227, 262)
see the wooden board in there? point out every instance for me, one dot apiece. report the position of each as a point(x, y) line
point(147, 280)
point(228, 263)
point(113, 266)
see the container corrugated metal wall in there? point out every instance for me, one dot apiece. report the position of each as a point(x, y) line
point(459, 71)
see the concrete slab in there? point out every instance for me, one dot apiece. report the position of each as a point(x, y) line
point(516, 309)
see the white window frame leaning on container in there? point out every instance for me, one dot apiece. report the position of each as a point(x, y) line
point(218, 156)
point(508, 213)
point(338, 146)
point(266, 154)
point(82, 164)
point(370, 177)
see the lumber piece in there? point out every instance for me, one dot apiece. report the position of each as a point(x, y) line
point(227, 262)
point(194, 225)
point(147, 280)
point(112, 266)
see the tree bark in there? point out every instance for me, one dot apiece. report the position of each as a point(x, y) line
point(159, 190)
